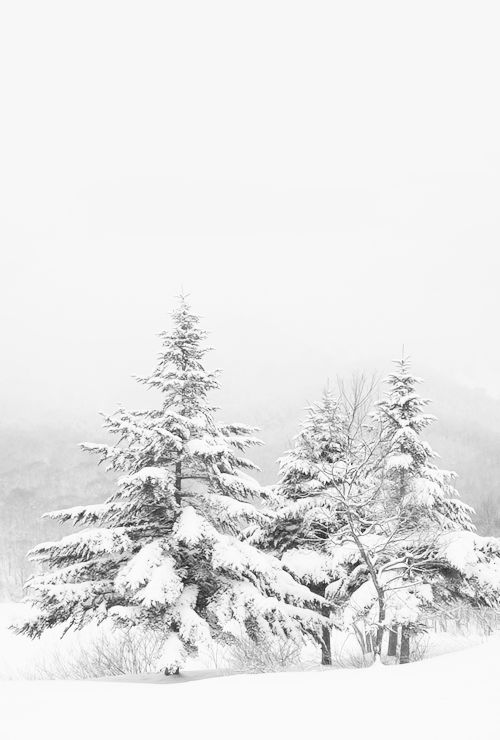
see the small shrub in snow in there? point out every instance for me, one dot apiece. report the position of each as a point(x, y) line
point(264, 655)
point(107, 654)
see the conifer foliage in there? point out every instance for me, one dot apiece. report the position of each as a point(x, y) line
point(408, 549)
point(163, 551)
point(411, 476)
point(365, 517)
point(305, 514)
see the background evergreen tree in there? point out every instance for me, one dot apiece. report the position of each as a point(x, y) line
point(305, 515)
point(408, 550)
point(364, 516)
point(411, 477)
point(163, 551)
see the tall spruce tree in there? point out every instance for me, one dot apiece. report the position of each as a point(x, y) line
point(164, 550)
point(409, 550)
point(412, 478)
point(423, 494)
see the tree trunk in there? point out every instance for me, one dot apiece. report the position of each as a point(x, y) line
point(326, 647)
point(326, 640)
point(392, 647)
point(377, 648)
point(404, 655)
point(178, 481)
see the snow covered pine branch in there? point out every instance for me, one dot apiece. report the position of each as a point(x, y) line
point(164, 550)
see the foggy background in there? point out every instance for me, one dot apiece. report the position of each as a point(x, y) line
point(325, 188)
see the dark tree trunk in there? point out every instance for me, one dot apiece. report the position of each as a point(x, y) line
point(379, 636)
point(392, 647)
point(377, 648)
point(326, 641)
point(178, 481)
point(404, 655)
point(326, 647)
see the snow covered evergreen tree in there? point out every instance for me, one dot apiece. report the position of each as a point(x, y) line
point(420, 496)
point(164, 550)
point(365, 517)
point(305, 515)
point(306, 472)
point(408, 549)
point(411, 477)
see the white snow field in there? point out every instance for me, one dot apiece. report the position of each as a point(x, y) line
point(451, 696)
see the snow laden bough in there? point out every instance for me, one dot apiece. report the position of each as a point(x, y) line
point(164, 551)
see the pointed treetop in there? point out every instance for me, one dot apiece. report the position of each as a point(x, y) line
point(403, 371)
point(409, 465)
point(402, 405)
point(310, 466)
point(180, 374)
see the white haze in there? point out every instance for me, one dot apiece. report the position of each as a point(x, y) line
point(322, 178)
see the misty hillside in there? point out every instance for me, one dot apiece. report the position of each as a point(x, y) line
point(42, 468)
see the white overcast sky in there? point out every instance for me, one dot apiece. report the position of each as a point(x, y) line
point(322, 177)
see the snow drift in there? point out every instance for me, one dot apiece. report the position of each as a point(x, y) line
point(452, 696)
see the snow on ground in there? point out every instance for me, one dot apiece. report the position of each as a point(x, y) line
point(24, 658)
point(450, 696)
